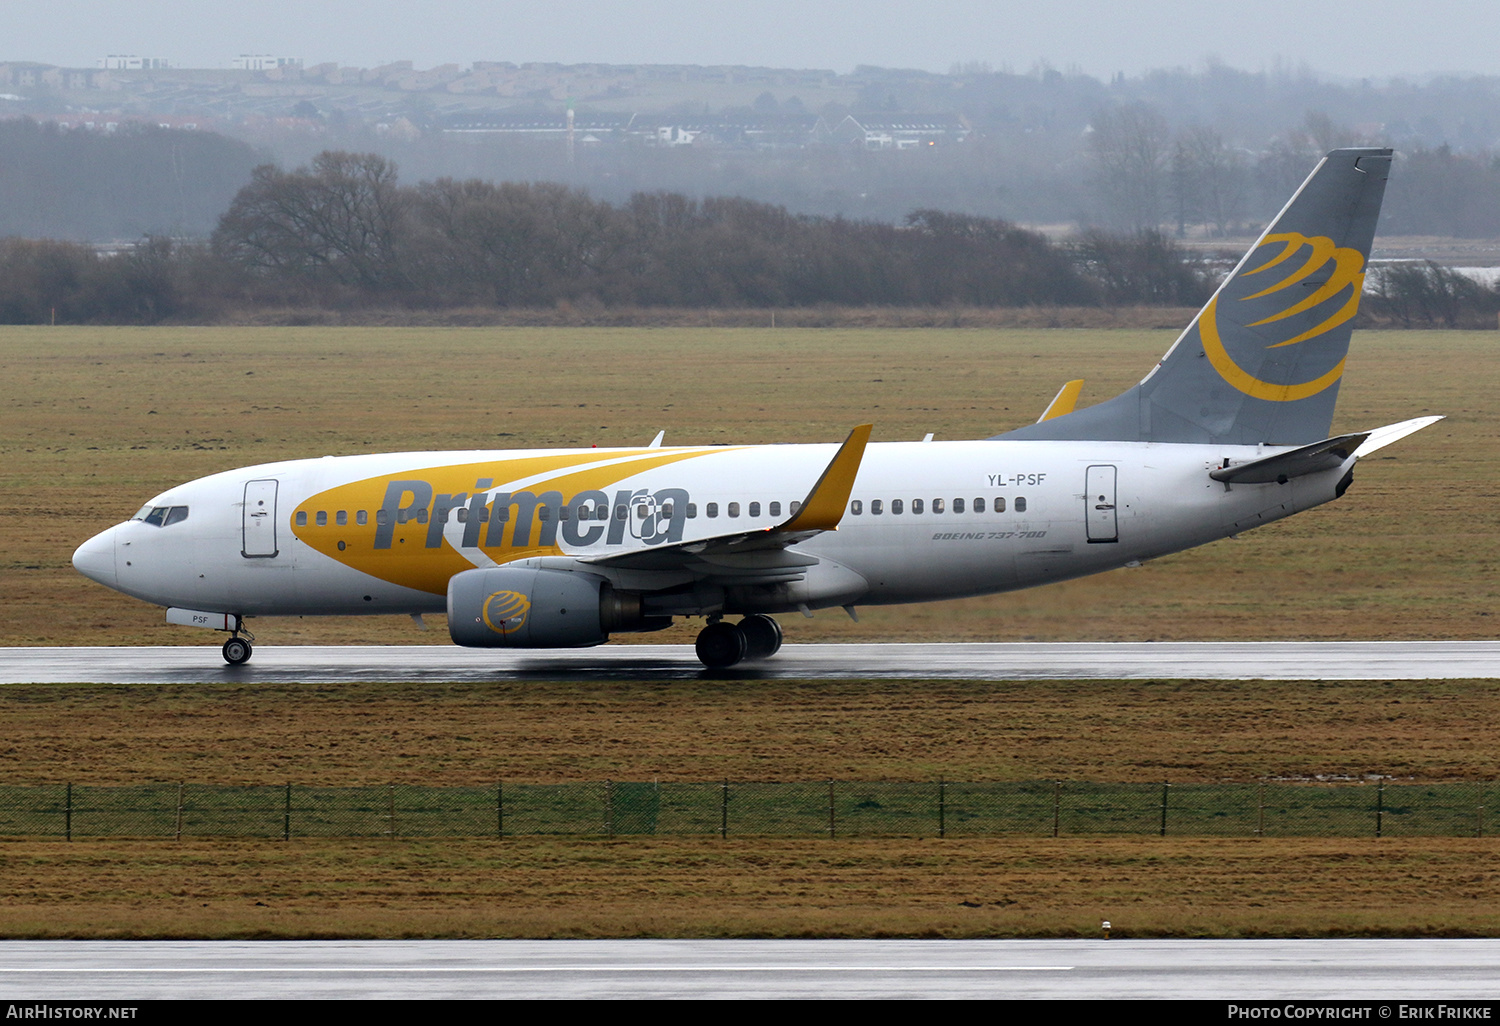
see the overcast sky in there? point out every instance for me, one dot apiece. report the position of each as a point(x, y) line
point(1336, 38)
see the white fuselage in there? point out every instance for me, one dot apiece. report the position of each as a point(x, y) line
point(925, 520)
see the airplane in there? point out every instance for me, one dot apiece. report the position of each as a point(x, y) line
point(546, 548)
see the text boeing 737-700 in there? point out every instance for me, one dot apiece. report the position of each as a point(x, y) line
point(563, 547)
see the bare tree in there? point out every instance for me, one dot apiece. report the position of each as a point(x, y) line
point(1209, 180)
point(1130, 147)
point(340, 219)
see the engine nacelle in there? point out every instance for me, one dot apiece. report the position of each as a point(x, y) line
point(522, 607)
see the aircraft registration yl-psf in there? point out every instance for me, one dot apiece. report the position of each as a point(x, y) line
point(564, 547)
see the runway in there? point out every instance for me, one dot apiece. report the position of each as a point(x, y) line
point(1264, 660)
point(1381, 972)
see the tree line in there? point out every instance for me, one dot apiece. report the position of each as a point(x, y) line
point(344, 232)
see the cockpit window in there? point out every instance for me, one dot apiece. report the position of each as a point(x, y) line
point(162, 516)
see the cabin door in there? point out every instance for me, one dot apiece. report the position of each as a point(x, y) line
point(1099, 505)
point(259, 527)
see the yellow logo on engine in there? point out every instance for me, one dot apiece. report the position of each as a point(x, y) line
point(505, 611)
point(1344, 270)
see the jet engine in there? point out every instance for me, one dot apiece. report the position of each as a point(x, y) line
point(519, 607)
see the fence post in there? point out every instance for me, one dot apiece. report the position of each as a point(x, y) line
point(724, 810)
point(68, 814)
point(1379, 805)
point(1164, 786)
point(179, 810)
point(286, 814)
point(390, 797)
point(942, 808)
point(609, 808)
point(1056, 805)
point(499, 808)
point(1479, 815)
point(1260, 809)
point(832, 825)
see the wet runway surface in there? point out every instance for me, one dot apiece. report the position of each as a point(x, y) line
point(1267, 660)
point(1378, 971)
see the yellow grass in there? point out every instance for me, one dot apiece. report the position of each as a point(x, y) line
point(753, 888)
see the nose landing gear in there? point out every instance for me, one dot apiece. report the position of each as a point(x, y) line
point(723, 644)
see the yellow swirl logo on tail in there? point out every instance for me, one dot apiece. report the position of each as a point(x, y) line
point(1345, 270)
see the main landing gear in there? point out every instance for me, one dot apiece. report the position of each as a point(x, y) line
point(723, 644)
point(237, 649)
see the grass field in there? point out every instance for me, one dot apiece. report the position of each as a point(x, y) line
point(909, 887)
point(95, 421)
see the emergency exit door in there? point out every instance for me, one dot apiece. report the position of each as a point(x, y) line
point(1099, 505)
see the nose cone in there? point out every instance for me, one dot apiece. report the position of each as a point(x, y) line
point(95, 558)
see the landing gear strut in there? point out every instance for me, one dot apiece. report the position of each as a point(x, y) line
point(722, 644)
point(237, 649)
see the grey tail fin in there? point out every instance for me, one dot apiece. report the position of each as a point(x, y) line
point(1262, 361)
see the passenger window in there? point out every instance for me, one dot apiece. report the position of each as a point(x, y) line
point(562, 513)
point(978, 505)
point(795, 507)
point(341, 517)
point(692, 511)
point(322, 518)
point(1020, 504)
point(734, 509)
point(302, 518)
point(713, 510)
point(856, 507)
point(641, 512)
point(896, 507)
point(667, 510)
point(937, 505)
point(876, 507)
point(622, 512)
point(775, 509)
point(463, 515)
point(755, 509)
point(958, 505)
point(382, 518)
point(422, 515)
point(916, 505)
point(999, 504)
point(543, 512)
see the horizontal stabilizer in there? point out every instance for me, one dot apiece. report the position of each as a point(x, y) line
point(1282, 467)
point(1381, 437)
point(1325, 455)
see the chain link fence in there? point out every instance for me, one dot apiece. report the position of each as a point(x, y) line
point(730, 808)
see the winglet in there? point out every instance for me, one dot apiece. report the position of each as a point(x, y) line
point(825, 504)
point(1063, 402)
point(655, 443)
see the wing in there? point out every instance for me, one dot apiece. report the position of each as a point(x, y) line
point(764, 555)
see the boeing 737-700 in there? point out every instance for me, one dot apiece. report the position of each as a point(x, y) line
point(563, 547)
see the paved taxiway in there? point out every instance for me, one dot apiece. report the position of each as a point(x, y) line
point(1267, 660)
point(1378, 971)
